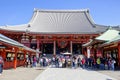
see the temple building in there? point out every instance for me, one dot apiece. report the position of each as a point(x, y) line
point(56, 31)
point(106, 46)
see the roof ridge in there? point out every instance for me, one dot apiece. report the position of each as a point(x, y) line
point(61, 10)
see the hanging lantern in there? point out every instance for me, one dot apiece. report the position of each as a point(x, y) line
point(23, 37)
point(34, 40)
point(62, 44)
point(27, 38)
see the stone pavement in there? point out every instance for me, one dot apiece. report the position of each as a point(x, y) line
point(21, 73)
point(114, 74)
point(72, 74)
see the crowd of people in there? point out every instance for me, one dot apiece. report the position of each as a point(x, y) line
point(73, 61)
point(105, 63)
point(68, 61)
point(62, 61)
point(76, 61)
point(31, 61)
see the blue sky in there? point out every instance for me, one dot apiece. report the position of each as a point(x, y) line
point(15, 12)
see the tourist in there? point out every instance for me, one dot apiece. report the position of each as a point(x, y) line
point(102, 64)
point(78, 61)
point(63, 62)
point(34, 61)
point(57, 62)
point(112, 64)
point(73, 61)
point(83, 63)
point(98, 62)
point(27, 61)
point(109, 63)
point(53, 61)
point(60, 63)
point(41, 62)
point(69, 62)
point(1, 65)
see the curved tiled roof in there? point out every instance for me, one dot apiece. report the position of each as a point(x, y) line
point(60, 21)
point(9, 41)
point(108, 35)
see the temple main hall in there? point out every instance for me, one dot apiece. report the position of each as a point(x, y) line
point(56, 31)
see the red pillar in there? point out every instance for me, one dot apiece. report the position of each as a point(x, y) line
point(15, 60)
point(38, 43)
point(71, 48)
point(83, 51)
point(54, 49)
point(25, 53)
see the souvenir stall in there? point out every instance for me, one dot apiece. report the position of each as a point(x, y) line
point(111, 49)
point(13, 52)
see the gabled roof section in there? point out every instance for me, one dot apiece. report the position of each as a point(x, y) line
point(12, 42)
point(7, 40)
point(108, 35)
point(60, 21)
point(15, 28)
point(116, 39)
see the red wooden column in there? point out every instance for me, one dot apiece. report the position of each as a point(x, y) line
point(41, 46)
point(71, 48)
point(38, 43)
point(119, 54)
point(15, 59)
point(54, 49)
point(25, 53)
point(83, 50)
point(71, 44)
point(38, 46)
point(3, 53)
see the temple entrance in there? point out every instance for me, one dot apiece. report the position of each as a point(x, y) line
point(62, 50)
point(77, 48)
point(62, 47)
point(47, 48)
